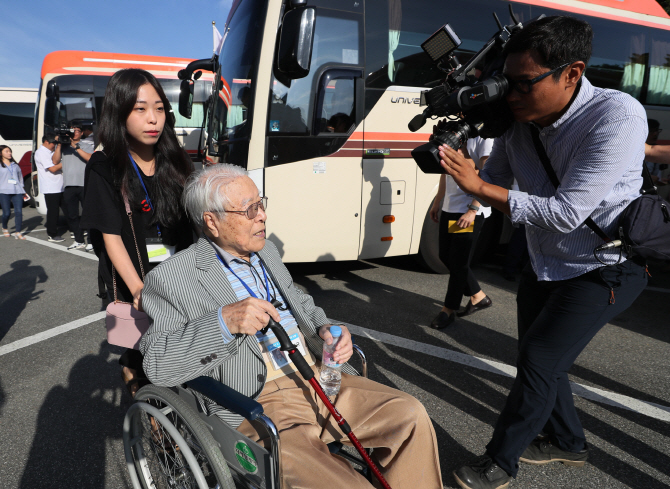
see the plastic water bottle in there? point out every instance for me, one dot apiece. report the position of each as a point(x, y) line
point(331, 376)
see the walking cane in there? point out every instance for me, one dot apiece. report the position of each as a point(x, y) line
point(307, 373)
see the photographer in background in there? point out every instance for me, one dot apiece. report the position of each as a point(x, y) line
point(594, 140)
point(74, 158)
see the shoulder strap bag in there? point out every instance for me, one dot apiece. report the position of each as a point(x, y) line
point(125, 324)
point(643, 226)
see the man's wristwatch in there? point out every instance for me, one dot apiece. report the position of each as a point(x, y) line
point(473, 207)
point(76, 146)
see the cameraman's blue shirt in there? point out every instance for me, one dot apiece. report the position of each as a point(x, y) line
point(596, 149)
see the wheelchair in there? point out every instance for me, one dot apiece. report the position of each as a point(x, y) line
point(170, 443)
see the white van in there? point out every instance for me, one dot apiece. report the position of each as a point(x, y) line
point(17, 112)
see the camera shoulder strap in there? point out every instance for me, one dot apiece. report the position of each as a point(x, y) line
point(546, 163)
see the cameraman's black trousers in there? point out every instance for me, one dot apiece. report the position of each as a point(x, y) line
point(556, 321)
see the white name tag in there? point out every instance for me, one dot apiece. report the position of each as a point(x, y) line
point(12, 181)
point(159, 252)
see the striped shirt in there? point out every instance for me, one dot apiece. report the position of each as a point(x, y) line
point(596, 149)
point(252, 275)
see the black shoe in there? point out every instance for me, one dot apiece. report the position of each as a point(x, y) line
point(482, 474)
point(473, 308)
point(541, 452)
point(442, 320)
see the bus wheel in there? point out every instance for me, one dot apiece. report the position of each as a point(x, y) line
point(29, 190)
point(429, 247)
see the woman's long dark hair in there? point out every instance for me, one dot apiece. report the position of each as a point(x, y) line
point(2, 162)
point(173, 164)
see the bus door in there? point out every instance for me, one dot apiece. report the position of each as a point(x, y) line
point(313, 172)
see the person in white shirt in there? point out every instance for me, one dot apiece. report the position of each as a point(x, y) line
point(460, 221)
point(50, 178)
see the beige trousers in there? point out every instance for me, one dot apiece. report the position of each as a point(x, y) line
point(395, 424)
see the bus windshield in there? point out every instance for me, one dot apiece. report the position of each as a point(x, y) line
point(80, 100)
point(230, 124)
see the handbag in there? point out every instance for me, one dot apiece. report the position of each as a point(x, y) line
point(643, 228)
point(125, 324)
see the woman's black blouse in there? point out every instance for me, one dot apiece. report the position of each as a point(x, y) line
point(104, 212)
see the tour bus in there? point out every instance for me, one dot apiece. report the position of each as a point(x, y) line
point(17, 109)
point(73, 86)
point(313, 98)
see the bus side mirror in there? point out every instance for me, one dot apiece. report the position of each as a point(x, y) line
point(52, 90)
point(52, 104)
point(295, 43)
point(186, 98)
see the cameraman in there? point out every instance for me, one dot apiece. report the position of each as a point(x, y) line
point(74, 158)
point(594, 139)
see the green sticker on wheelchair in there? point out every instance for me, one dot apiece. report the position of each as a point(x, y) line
point(246, 457)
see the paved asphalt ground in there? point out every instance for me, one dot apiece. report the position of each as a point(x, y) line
point(62, 401)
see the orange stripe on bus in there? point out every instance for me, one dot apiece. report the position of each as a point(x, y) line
point(395, 136)
point(56, 61)
point(594, 13)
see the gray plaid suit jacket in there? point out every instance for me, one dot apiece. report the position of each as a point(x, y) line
point(183, 295)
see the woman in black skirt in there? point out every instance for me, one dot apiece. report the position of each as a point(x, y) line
point(143, 165)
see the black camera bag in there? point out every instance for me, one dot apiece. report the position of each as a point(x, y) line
point(643, 226)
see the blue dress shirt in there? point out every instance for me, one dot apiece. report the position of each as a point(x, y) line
point(596, 149)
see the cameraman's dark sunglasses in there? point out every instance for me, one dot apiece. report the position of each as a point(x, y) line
point(526, 86)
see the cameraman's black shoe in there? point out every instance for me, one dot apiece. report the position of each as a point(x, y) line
point(482, 474)
point(541, 452)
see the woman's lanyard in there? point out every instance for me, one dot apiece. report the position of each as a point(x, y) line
point(148, 199)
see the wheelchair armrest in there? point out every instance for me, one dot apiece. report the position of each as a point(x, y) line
point(226, 397)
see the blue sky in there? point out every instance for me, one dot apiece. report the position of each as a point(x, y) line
point(34, 28)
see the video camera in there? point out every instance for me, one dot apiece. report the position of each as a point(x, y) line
point(473, 105)
point(64, 134)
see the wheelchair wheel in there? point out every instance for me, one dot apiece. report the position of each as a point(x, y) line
point(161, 459)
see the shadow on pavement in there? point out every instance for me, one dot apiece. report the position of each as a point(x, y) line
point(75, 425)
point(466, 389)
point(17, 288)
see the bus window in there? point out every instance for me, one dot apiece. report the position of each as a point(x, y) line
point(337, 42)
point(76, 100)
point(398, 27)
point(230, 122)
point(658, 90)
point(16, 121)
point(337, 109)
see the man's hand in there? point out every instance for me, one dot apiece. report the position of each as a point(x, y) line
point(466, 220)
point(248, 316)
point(344, 348)
point(460, 169)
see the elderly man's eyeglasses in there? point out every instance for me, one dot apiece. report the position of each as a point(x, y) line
point(252, 210)
point(526, 86)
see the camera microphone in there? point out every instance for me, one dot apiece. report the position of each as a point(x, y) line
point(612, 244)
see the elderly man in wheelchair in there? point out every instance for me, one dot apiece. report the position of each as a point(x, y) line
point(209, 304)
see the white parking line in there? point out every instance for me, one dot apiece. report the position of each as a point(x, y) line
point(45, 335)
point(650, 409)
point(84, 254)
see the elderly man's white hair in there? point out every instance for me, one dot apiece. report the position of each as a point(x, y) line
point(204, 191)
